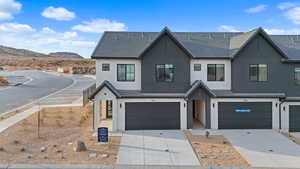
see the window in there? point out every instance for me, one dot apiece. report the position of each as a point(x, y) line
point(165, 72)
point(215, 72)
point(105, 67)
point(197, 67)
point(125, 72)
point(258, 72)
point(297, 75)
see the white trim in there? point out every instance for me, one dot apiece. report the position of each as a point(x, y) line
point(214, 109)
point(285, 115)
point(122, 103)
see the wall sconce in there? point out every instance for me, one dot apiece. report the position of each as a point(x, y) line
point(183, 104)
point(283, 108)
point(120, 105)
point(213, 105)
point(276, 104)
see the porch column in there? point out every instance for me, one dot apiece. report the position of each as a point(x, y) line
point(96, 113)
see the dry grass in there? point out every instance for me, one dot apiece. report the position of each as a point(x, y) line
point(59, 131)
point(216, 151)
point(3, 81)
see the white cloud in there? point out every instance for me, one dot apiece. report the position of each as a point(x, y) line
point(286, 5)
point(257, 9)
point(227, 28)
point(15, 28)
point(295, 31)
point(293, 14)
point(60, 14)
point(45, 40)
point(8, 8)
point(100, 25)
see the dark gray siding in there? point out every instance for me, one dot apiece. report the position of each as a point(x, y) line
point(198, 94)
point(294, 117)
point(165, 51)
point(152, 115)
point(260, 116)
point(280, 75)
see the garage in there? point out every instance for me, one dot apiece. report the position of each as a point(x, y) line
point(152, 115)
point(245, 115)
point(294, 118)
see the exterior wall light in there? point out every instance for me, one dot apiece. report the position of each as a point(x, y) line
point(120, 105)
point(213, 105)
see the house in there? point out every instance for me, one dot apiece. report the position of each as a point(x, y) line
point(182, 80)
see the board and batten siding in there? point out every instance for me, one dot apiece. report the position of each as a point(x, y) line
point(285, 114)
point(202, 75)
point(111, 75)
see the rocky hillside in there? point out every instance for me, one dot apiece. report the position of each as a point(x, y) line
point(8, 51)
point(65, 55)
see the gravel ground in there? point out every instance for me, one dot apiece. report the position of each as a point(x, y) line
point(59, 132)
point(216, 151)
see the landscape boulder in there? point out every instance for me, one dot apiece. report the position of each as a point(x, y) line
point(80, 146)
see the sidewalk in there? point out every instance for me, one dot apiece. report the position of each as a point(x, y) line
point(67, 166)
point(4, 124)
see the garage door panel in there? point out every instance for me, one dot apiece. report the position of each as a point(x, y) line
point(294, 117)
point(152, 115)
point(259, 117)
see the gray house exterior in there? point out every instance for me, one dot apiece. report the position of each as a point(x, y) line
point(181, 80)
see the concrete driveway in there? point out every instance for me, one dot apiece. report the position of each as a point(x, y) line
point(168, 147)
point(265, 148)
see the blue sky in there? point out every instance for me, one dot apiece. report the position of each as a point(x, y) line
point(77, 25)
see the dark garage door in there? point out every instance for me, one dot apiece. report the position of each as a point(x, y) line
point(152, 116)
point(245, 115)
point(294, 117)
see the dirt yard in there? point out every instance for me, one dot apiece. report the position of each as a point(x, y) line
point(59, 132)
point(3, 81)
point(216, 151)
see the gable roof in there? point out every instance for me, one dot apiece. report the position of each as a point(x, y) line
point(110, 87)
point(167, 32)
point(199, 84)
point(131, 45)
point(238, 43)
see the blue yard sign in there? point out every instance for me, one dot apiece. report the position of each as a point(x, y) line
point(103, 135)
point(243, 110)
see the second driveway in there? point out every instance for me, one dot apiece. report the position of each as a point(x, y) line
point(156, 148)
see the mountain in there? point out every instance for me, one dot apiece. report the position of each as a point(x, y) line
point(14, 52)
point(9, 51)
point(65, 55)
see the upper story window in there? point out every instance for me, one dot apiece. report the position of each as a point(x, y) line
point(164, 72)
point(215, 72)
point(105, 67)
point(258, 72)
point(297, 75)
point(197, 67)
point(125, 72)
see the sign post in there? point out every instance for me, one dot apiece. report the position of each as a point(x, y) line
point(103, 135)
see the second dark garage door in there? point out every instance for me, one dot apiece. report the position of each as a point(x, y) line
point(294, 117)
point(245, 115)
point(152, 115)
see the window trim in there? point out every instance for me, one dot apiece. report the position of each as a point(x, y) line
point(125, 73)
point(103, 65)
point(163, 81)
point(215, 66)
point(257, 64)
point(199, 64)
point(298, 83)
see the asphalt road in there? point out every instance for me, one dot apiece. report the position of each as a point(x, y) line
point(40, 84)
